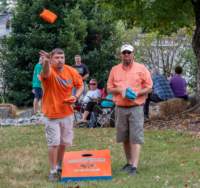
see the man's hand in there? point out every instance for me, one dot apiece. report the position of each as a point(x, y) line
point(33, 91)
point(129, 94)
point(45, 56)
point(70, 100)
point(45, 63)
point(116, 90)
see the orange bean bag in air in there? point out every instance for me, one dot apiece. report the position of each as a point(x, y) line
point(48, 16)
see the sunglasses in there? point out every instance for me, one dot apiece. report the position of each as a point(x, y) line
point(126, 52)
point(93, 84)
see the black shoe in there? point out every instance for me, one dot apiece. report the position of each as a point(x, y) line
point(59, 172)
point(132, 171)
point(126, 168)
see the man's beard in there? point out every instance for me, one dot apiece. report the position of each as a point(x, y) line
point(127, 63)
point(60, 66)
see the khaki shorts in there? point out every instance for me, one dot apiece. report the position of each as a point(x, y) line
point(129, 124)
point(59, 131)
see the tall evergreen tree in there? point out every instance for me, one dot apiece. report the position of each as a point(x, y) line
point(102, 39)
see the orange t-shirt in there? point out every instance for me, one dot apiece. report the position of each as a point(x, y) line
point(137, 77)
point(57, 87)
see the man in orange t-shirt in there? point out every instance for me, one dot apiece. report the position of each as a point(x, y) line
point(130, 83)
point(58, 80)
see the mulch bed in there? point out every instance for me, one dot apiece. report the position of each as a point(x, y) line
point(182, 122)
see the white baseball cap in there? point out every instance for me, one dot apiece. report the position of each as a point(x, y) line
point(127, 47)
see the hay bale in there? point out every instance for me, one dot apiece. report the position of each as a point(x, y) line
point(7, 111)
point(167, 108)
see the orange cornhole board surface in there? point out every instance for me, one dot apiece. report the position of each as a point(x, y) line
point(48, 16)
point(86, 165)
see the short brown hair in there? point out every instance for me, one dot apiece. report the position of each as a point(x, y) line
point(57, 51)
point(77, 56)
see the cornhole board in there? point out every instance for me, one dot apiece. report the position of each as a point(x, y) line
point(86, 165)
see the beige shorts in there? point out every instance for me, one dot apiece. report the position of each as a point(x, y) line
point(59, 131)
point(129, 124)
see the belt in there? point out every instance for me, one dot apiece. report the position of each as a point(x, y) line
point(128, 106)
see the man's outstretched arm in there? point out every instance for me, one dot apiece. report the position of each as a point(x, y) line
point(45, 63)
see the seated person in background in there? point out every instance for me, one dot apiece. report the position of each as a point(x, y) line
point(91, 98)
point(93, 93)
point(102, 89)
point(106, 99)
point(161, 91)
point(178, 84)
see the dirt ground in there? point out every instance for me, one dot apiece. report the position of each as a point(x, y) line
point(182, 122)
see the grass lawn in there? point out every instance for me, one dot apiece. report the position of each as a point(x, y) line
point(168, 159)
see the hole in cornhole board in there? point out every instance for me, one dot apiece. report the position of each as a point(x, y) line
point(86, 155)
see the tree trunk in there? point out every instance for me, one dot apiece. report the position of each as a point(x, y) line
point(196, 42)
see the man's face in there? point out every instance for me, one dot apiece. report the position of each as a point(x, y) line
point(78, 60)
point(58, 61)
point(127, 57)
